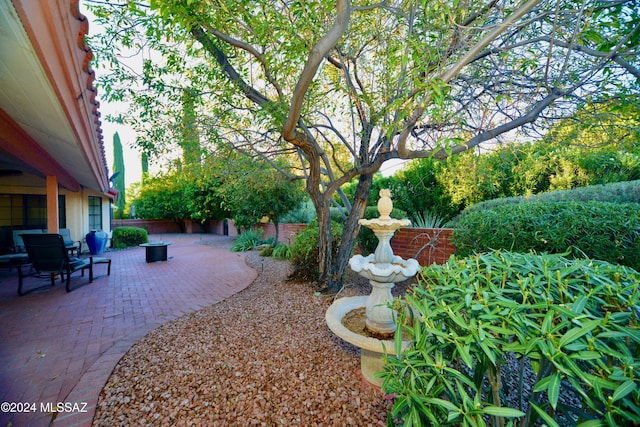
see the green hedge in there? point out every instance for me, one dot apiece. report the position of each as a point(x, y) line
point(532, 339)
point(124, 237)
point(616, 192)
point(599, 230)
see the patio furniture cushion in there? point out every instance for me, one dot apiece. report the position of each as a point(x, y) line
point(48, 255)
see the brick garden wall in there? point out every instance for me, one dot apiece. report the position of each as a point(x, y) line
point(287, 231)
point(427, 245)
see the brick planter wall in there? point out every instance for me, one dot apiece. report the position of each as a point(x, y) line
point(427, 245)
point(287, 232)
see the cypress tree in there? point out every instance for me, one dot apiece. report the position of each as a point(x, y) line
point(118, 180)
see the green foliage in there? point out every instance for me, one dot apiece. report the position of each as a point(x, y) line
point(414, 189)
point(367, 241)
point(247, 240)
point(427, 219)
point(600, 230)
point(267, 251)
point(252, 190)
point(528, 169)
point(305, 254)
point(303, 214)
point(615, 123)
point(616, 192)
point(482, 323)
point(162, 198)
point(419, 188)
point(282, 252)
point(123, 237)
point(201, 192)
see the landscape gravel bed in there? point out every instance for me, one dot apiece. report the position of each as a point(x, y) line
point(262, 357)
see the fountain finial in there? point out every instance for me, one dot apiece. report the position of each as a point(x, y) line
point(385, 205)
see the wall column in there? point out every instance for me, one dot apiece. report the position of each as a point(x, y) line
point(52, 204)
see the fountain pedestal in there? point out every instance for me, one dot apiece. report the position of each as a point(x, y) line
point(379, 318)
point(382, 269)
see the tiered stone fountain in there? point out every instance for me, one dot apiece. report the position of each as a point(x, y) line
point(382, 269)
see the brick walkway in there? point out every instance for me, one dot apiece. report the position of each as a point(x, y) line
point(61, 347)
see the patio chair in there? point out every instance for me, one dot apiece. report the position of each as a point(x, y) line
point(72, 245)
point(18, 243)
point(48, 255)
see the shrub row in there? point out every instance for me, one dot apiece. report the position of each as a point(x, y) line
point(599, 230)
point(617, 192)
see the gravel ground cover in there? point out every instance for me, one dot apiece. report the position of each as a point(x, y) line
point(262, 357)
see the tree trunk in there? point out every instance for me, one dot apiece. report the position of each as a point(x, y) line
point(325, 244)
point(276, 224)
point(331, 282)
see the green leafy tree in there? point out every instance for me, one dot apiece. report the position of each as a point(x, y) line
point(606, 125)
point(347, 86)
point(253, 190)
point(201, 192)
point(419, 181)
point(162, 198)
point(118, 173)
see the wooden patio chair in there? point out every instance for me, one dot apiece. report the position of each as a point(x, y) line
point(48, 255)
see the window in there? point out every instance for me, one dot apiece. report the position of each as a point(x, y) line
point(23, 211)
point(11, 211)
point(95, 213)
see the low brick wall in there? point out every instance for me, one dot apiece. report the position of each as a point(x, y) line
point(287, 234)
point(287, 231)
point(153, 226)
point(427, 245)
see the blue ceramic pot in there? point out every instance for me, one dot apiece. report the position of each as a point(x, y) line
point(97, 241)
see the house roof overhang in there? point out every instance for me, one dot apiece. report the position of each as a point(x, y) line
point(49, 118)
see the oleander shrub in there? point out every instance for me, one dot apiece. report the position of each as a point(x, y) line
point(504, 338)
point(599, 230)
point(305, 252)
point(123, 237)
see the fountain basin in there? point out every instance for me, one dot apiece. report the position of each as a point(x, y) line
point(395, 271)
point(384, 225)
point(371, 349)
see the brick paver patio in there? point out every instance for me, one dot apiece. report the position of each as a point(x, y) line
point(61, 347)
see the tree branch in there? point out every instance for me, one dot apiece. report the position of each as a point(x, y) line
point(249, 91)
point(452, 71)
point(316, 56)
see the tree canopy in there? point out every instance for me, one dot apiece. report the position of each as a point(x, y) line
point(345, 86)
